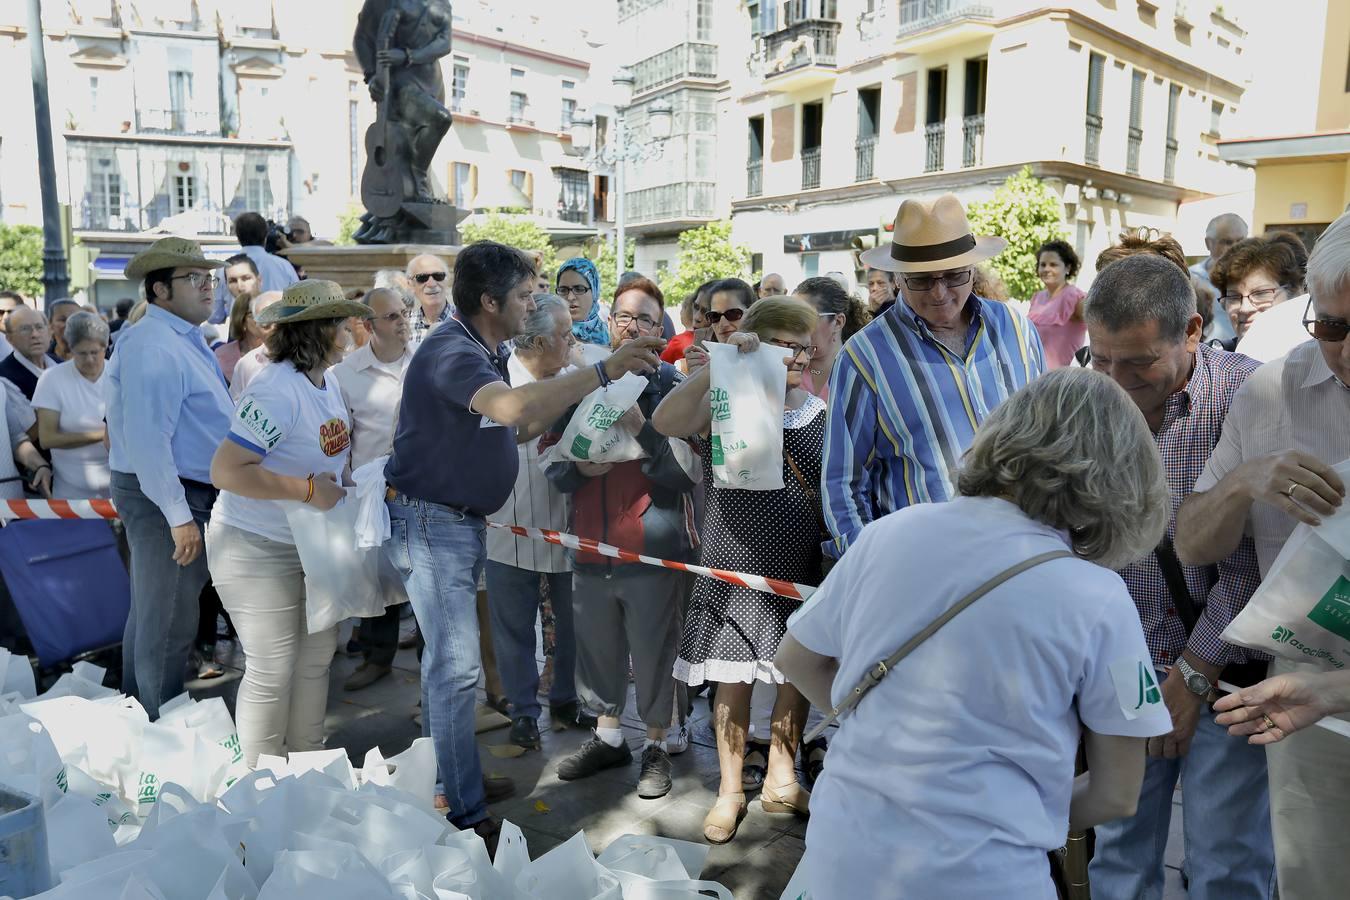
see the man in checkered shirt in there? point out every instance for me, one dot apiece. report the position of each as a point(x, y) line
point(1146, 335)
point(427, 275)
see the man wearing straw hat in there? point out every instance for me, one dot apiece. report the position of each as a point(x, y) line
point(909, 390)
point(167, 410)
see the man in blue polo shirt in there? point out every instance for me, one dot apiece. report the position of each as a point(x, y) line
point(454, 462)
point(167, 411)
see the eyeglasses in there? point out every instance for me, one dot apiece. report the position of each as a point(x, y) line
point(797, 349)
point(623, 320)
point(928, 282)
point(731, 315)
point(1329, 331)
point(392, 317)
point(30, 329)
point(580, 290)
point(1261, 299)
point(198, 280)
point(424, 277)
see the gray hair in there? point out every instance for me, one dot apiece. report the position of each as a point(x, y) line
point(1072, 451)
point(404, 297)
point(1139, 289)
point(389, 278)
point(1222, 219)
point(1329, 263)
point(86, 326)
point(541, 323)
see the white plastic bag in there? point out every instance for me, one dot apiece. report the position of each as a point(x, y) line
point(372, 519)
point(29, 760)
point(341, 579)
point(568, 872)
point(746, 395)
point(413, 771)
point(592, 434)
point(1301, 611)
point(16, 675)
point(324, 875)
point(211, 719)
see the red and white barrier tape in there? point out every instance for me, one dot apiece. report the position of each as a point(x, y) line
point(104, 509)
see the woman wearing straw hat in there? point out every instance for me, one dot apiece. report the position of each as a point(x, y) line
point(289, 441)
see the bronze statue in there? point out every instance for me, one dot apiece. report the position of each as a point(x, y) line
point(399, 44)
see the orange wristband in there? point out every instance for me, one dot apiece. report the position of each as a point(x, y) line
point(310, 495)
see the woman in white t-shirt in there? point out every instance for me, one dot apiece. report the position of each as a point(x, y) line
point(69, 405)
point(289, 442)
point(955, 774)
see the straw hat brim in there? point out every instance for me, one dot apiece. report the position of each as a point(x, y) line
point(152, 260)
point(986, 247)
point(279, 313)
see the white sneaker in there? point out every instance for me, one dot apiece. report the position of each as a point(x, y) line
point(677, 739)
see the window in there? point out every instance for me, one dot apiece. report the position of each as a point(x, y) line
point(1135, 135)
point(936, 111)
point(810, 265)
point(258, 190)
point(977, 77)
point(573, 196)
point(180, 100)
point(353, 147)
point(1215, 117)
point(703, 20)
point(93, 94)
point(569, 112)
point(105, 196)
point(869, 113)
point(460, 174)
point(813, 117)
point(1170, 145)
point(756, 24)
point(756, 151)
point(517, 106)
point(1096, 73)
point(517, 74)
point(459, 86)
point(184, 193)
point(568, 86)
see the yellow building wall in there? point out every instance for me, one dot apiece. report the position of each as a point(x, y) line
point(1323, 186)
point(1333, 102)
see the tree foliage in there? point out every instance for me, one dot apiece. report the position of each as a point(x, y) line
point(21, 259)
point(602, 253)
point(517, 231)
point(1027, 214)
point(705, 253)
point(348, 222)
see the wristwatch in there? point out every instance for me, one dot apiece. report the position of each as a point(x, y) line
point(1196, 682)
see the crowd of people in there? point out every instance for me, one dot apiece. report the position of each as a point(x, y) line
point(1110, 473)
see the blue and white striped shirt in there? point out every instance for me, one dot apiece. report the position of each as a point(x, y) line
point(903, 408)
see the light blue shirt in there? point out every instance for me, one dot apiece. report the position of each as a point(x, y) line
point(275, 273)
point(168, 408)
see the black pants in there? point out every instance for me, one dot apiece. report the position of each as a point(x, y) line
point(379, 636)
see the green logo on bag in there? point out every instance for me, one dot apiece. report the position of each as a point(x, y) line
point(149, 789)
point(601, 417)
point(720, 403)
point(1281, 634)
point(581, 447)
point(231, 744)
point(1332, 612)
point(718, 457)
point(1148, 687)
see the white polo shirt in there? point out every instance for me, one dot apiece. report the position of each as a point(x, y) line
point(372, 390)
point(957, 769)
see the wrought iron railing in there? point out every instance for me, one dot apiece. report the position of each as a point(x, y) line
point(177, 121)
point(866, 159)
point(810, 168)
point(754, 178)
point(1132, 144)
point(686, 200)
point(935, 140)
point(1092, 147)
point(810, 42)
point(919, 15)
point(972, 141)
point(1170, 161)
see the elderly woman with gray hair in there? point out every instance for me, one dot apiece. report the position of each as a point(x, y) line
point(517, 567)
point(1006, 636)
point(69, 405)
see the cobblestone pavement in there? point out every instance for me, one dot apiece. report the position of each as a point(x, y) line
point(754, 866)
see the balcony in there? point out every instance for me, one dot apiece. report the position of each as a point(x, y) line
point(935, 146)
point(1170, 161)
point(799, 56)
point(672, 203)
point(688, 60)
point(866, 168)
point(1093, 145)
point(754, 178)
point(1135, 139)
point(931, 24)
point(972, 141)
point(810, 168)
point(177, 121)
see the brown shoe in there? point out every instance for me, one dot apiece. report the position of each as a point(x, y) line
point(497, 788)
point(365, 675)
point(489, 830)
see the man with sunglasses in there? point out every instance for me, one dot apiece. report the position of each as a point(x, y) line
point(909, 390)
point(1288, 425)
point(167, 411)
point(428, 275)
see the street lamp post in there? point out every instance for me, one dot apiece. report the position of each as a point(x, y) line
point(623, 148)
point(54, 279)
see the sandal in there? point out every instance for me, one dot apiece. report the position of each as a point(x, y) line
point(719, 826)
point(755, 766)
point(790, 798)
point(813, 760)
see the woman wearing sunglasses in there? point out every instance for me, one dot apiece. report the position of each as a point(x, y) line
point(731, 633)
point(579, 286)
point(728, 301)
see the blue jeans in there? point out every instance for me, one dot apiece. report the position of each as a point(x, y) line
point(513, 601)
point(1226, 824)
point(162, 623)
point(439, 553)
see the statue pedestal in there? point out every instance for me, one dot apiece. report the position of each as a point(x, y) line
point(355, 266)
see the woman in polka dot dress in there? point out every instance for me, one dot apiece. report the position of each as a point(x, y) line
point(731, 633)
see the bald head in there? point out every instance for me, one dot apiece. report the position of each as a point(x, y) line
point(1222, 233)
point(264, 300)
point(772, 285)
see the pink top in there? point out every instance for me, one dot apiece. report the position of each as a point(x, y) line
point(228, 357)
point(822, 390)
point(1060, 335)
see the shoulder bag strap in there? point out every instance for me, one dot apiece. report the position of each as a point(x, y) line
point(1176, 585)
point(874, 675)
point(810, 491)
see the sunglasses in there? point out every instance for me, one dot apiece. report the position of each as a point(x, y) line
point(1329, 331)
point(424, 277)
point(928, 282)
point(731, 315)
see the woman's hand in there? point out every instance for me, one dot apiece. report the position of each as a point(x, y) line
point(745, 341)
point(633, 420)
point(1277, 707)
point(42, 481)
point(327, 492)
point(695, 358)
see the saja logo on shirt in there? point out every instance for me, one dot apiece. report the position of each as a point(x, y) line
point(258, 423)
point(334, 438)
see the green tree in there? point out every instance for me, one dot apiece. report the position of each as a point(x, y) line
point(601, 252)
point(1027, 214)
point(512, 230)
point(348, 222)
point(705, 253)
point(21, 259)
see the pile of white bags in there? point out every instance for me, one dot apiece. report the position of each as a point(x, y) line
point(166, 811)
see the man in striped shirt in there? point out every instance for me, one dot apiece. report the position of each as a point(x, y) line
point(910, 389)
